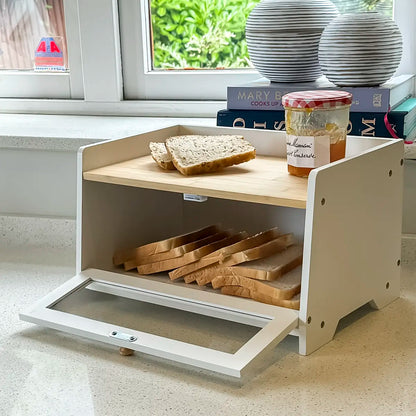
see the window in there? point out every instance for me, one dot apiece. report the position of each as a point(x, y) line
point(143, 77)
point(210, 33)
point(29, 28)
point(110, 59)
point(205, 34)
point(24, 24)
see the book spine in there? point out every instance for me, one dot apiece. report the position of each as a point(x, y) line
point(270, 98)
point(361, 124)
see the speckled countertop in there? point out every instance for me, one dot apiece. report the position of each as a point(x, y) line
point(368, 369)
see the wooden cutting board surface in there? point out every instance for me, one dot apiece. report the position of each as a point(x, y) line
point(262, 180)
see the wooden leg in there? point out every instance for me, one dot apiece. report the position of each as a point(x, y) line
point(126, 351)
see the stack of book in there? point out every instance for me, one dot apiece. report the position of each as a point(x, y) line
point(388, 110)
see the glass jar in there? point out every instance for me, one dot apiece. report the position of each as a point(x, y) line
point(316, 128)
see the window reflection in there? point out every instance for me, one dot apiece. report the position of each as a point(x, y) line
point(23, 23)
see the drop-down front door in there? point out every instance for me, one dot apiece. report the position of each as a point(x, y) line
point(219, 333)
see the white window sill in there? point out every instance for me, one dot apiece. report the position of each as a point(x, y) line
point(68, 133)
point(134, 108)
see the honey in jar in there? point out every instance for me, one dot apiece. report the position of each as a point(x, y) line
point(316, 128)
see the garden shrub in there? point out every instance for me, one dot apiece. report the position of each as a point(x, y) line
point(210, 33)
point(200, 34)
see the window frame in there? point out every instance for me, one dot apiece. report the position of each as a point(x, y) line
point(31, 84)
point(140, 82)
point(404, 14)
point(106, 81)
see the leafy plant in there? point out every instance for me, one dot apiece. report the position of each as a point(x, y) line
point(351, 6)
point(374, 4)
point(200, 34)
point(211, 33)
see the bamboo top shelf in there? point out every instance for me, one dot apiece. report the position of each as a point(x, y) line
point(262, 180)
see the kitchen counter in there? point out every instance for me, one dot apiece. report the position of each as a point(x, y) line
point(368, 368)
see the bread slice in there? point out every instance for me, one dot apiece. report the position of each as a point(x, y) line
point(213, 258)
point(205, 275)
point(187, 258)
point(175, 252)
point(264, 250)
point(122, 256)
point(285, 287)
point(161, 156)
point(194, 154)
point(293, 303)
point(271, 267)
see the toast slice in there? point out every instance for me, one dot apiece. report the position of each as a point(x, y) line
point(247, 243)
point(122, 256)
point(161, 156)
point(195, 154)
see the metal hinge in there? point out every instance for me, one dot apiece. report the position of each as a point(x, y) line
point(123, 336)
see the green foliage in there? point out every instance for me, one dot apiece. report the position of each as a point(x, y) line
point(374, 4)
point(200, 34)
point(210, 33)
point(353, 6)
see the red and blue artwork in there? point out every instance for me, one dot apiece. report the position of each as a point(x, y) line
point(48, 56)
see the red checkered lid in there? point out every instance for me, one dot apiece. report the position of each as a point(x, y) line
point(317, 98)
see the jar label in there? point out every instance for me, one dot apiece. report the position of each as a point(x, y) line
point(307, 151)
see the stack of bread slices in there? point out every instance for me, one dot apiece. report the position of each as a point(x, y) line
point(195, 154)
point(264, 266)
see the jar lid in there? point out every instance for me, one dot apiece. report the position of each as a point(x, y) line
point(316, 98)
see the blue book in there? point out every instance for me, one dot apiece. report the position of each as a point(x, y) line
point(267, 96)
point(370, 124)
